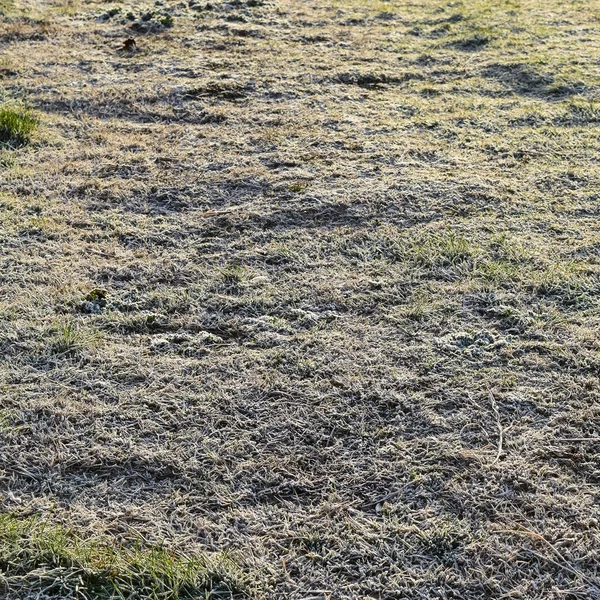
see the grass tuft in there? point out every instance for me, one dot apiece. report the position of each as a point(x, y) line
point(17, 125)
point(443, 249)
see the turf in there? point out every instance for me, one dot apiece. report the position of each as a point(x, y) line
point(299, 299)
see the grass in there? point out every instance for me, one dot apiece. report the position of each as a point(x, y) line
point(38, 557)
point(312, 284)
point(66, 336)
point(6, 7)
point(17, 125)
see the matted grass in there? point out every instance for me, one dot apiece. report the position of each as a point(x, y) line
point(314, 283)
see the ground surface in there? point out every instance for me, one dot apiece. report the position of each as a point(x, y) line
point(306, 291)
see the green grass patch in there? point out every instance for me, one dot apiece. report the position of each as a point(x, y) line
point(17, 126)
point(36, 555)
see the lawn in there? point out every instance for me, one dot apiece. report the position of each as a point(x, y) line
point(299, 299)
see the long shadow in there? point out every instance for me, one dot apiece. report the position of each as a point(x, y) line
point(148, 110)
point(525, 80)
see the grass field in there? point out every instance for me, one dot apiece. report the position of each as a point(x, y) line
point(299, 299)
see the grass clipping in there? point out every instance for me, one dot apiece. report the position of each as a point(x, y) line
point(36, 555)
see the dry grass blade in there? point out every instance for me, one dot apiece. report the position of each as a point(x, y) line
point(500, 428)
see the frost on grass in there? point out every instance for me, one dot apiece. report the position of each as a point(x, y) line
point(311, 283)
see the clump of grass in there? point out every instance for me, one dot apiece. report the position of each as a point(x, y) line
point(232, 277)
point(5, 420)
point(581, 112)
point(67, 338)
point(17, 125)
point(475, 42)
point(443, 249)
point(444, 537)
point(420, 307)
point(36, 555)
point(298, 186)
